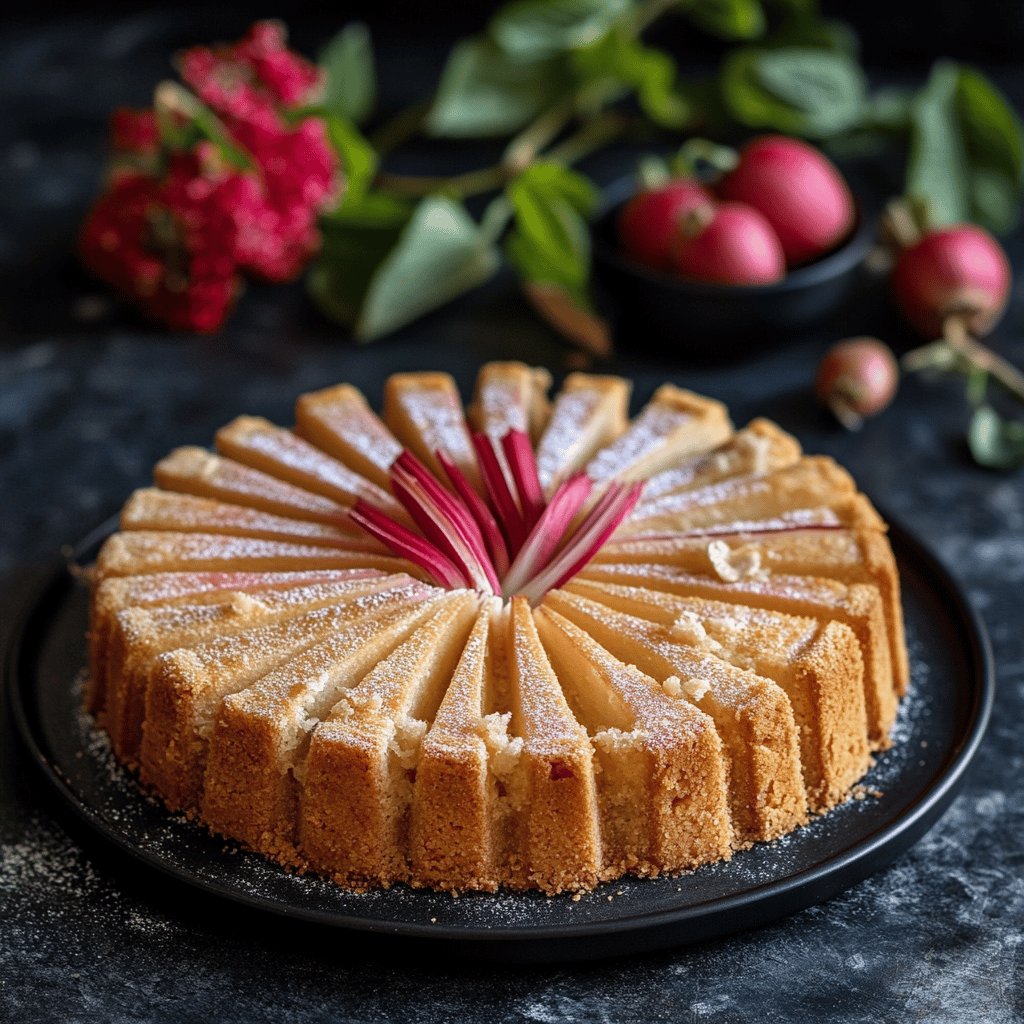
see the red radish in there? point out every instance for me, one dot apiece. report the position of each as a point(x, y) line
point(649, 222)
point(856, 379)
point(799, 191)
point(729, 244)
point(956, 271)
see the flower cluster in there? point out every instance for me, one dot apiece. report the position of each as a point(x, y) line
point(221, 179)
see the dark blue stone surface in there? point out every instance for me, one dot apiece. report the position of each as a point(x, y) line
point(90, 399)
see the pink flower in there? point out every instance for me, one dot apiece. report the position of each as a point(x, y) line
point(170, 244)
point(134, 131)
point(259, 71)
point(248, 85)
point(178, 226)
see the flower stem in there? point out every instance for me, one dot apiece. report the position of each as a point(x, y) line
point(592, 135)
point(398, 129)
point(470, 183)
point(523, 149)
point(982, 357)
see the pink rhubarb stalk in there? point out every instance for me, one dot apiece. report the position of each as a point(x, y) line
point(444, 520)
point(602, 521)
point(489, 528)
point(522, 464)
point(406, 544)
point(548, 533)
point(517, 543)
point(500, 491)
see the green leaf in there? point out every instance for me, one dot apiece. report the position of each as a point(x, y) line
point(550, 242)
point(660, 99)
point(990, 124)
point(357, 238)
point(485, 92)
point(817, 34)
point(799, 91)
point(440, 254)
point(889, 109)
point(537, 29)
point(994, 141)
point(966, 150)
point(554, 180)
point(358, 158)
point(937, 168)
point(797, 10)
point(995, 442)
point(619, 58)
point(727, 19)
point(351, 87)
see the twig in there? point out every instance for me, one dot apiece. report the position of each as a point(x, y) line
point(402, 127)
point(471, 183)
point(523, 149)
point(981, 356)
point(593, 135)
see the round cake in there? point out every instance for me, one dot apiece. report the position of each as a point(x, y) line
point(532, 643)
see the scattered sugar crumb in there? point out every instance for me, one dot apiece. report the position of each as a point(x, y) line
point(695, 689)
point(733, 566)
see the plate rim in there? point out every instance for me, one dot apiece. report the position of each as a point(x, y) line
point(912, 823)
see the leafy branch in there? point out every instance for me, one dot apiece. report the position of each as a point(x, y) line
point(559, 79)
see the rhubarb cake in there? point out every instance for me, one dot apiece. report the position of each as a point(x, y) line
point(532, 643)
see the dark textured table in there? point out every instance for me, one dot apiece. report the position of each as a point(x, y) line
point(90, 399)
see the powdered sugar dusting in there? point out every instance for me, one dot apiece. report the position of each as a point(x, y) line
point(567, 434)
point(651, 429)
point(195, 470)
point(251, 437)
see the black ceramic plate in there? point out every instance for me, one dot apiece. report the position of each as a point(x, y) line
point(938, 732)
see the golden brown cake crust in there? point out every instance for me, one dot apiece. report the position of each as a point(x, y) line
point(302, 679)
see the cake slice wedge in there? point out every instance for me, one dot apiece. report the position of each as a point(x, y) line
point(261, 733)
point(450, 836)
point(588, 414)
point(188, 684)
point(662, 786)
point(752, 714)
point(153, 509)
point(424, 411)
point(259, 443)
point(760, 447)
point(552, 792)
point(850, 555)
point(510, 396)
point(357, 778)
point(813, 482)
point(858, 605)
point(818, 664)
point(339, 421)
point(138, 552)
point(206, 475)
point(118, 593)
point(674, 425)
point(139, 634)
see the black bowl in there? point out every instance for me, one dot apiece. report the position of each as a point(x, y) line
point(694, 319)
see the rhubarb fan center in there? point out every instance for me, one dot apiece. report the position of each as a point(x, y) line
point(509, 540)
